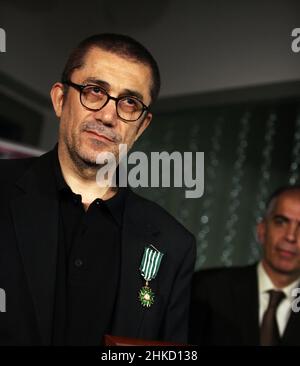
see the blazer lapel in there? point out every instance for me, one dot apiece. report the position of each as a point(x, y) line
point(291, 334)
point(246, 305)
point(136, 235)
point(35, 216)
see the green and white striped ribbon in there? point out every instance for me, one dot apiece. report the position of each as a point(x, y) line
point(150, 263)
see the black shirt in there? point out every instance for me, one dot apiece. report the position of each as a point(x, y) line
point(88, 261)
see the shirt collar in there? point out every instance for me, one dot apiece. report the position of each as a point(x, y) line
point(115, 204)
point(265, 283)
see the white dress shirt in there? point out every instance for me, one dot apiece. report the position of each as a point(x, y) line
point(284, 308)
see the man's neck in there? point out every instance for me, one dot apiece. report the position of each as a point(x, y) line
point(280, 280)
point(83, 180)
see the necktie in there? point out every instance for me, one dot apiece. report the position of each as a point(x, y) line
point(269, 334)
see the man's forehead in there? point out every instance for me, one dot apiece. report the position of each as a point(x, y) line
point(287, 204)
point(117, 70)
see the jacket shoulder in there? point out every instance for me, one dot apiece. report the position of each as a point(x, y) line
point(12, 169)
point(217, 276)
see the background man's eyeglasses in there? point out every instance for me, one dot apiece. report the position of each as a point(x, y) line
point(94, 98)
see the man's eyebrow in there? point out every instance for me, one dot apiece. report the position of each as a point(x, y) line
point(279, 216)
point(106, 85)
point(99, 82)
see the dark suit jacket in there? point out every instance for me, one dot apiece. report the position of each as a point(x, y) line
point(28, 249)
point(225, 309)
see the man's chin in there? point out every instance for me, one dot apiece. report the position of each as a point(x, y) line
point(286, 268)
point(94, 159)
point(86, 154)
point(83, 158)
point(88, 159)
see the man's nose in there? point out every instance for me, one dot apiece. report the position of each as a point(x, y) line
point(292, 232)
point(108, 114)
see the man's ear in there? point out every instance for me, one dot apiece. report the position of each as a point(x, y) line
point(260, 231)
point(57, 97)
point(143, 125)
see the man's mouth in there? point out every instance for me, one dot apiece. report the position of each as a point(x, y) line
point(287, 252)
point(99, 136)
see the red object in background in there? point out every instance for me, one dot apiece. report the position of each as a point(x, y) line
point(11, 150)
point(110, 340)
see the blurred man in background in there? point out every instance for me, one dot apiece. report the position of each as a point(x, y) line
point(253, 305)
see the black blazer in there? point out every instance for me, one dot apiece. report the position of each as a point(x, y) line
point(224, 309)
point(28, 248)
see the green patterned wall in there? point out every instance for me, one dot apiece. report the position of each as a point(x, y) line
point(250, 150)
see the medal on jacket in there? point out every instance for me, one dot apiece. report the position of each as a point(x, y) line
point(149, 268)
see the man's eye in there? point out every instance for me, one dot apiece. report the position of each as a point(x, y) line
point(131, 102)
point(97, 90)
point(94, 90)
point(279, 220)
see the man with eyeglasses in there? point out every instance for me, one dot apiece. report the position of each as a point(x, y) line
point(79, 260)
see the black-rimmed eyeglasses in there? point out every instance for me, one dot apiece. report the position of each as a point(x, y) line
point(94, 98)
